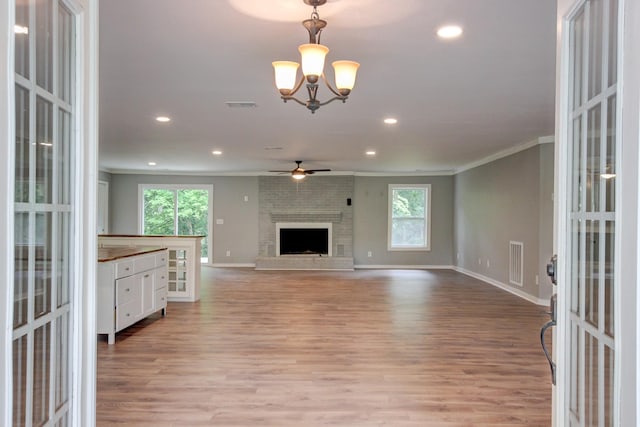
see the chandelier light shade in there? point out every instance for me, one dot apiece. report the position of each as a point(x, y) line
point(345, 72)
point(312, 56)
point(313, 60)
point(285, 76)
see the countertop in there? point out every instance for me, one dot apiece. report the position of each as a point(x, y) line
point(113, 253)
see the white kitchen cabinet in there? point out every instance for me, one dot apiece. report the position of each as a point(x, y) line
point(183, 262)
point(132, 284)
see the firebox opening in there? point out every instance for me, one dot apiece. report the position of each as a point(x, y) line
point(304, 241)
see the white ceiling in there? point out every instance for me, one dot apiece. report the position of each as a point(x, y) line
point(456, 101)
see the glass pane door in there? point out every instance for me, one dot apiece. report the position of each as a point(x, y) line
point(43, 211)
point(591, 217)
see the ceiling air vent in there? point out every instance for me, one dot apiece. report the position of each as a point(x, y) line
point(241, 104)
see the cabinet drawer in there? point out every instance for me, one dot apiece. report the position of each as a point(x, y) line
point(160, 299)
point(161, 278)
point(126, 314)
point(161, 259)
point(144, 263)
point(124, 269)
point(127, 290)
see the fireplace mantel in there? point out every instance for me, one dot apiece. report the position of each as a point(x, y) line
point(307, 216)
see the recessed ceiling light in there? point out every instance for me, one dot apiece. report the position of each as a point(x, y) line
point(390, 121)
point(163, 119)
point(370, 153)
point(19, 29)
point(151, 163)
point(216, 152)
point(449, 32)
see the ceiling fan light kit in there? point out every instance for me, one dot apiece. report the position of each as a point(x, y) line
point(299, 173)
point(312, 57)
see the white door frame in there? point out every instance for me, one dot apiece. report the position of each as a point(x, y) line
point(627, 217)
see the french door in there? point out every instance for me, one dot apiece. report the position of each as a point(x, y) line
point(588, 208)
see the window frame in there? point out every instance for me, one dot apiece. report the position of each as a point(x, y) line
point(427, 218)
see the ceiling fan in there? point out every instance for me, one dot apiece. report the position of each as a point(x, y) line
point(300, 173)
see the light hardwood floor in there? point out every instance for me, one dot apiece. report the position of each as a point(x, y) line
point(364, 348)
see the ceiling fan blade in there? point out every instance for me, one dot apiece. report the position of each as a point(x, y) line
point(317, 170)
point(281, 171)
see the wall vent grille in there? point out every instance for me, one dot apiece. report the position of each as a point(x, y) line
point(516, 263)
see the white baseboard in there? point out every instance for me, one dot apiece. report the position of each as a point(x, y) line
point(503, 286)
point(232, 265)
point(402, 267)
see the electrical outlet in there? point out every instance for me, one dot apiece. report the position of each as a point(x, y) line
point(228, 253)
point(488, 264)
point(479, 261)
point(369, 254)
point(246, 198)
point(537, 280)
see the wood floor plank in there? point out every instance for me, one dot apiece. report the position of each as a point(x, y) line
point(312, 348)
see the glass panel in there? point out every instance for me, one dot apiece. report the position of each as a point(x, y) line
point(44, 44)
point(574, 401)
point(613, 42)
point(608, 386)
point(65, 53)
point(41, 372)
point(159, 211)
point(64, 259)
point(609, 259)
point(577, 37)
point(21, 277)
point(44, 151)
point(23, 146)
point(408, 210)
point(591, 381)
point(19, 381)
point(593, 159)
point(609, 174)
point(596, 15)
point(576, 191)
point(592, 271)
point(63, 422)
point(63, 153)
point(42, 288)
point(408, 232)
point(62, 361)
point(193, 213)
point(576, 262)
point(22, 38)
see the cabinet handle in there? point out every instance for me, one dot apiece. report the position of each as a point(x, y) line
point(128, 290)
point(128, 315)
point(162, 277)
point(126, 269)
point(146, 275)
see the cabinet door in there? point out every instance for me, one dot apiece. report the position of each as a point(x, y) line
point(147, 287)
point(178, 283)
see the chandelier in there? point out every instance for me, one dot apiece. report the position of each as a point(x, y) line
point(312, 58)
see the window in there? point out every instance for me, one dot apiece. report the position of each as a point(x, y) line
point(409, 217)
point(168, 210)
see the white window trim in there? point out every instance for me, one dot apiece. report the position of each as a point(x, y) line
point(427, 246)
point(208, 187)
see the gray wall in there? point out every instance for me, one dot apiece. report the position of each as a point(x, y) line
point(370, 214)
point(508, 199)
point(239, 232)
